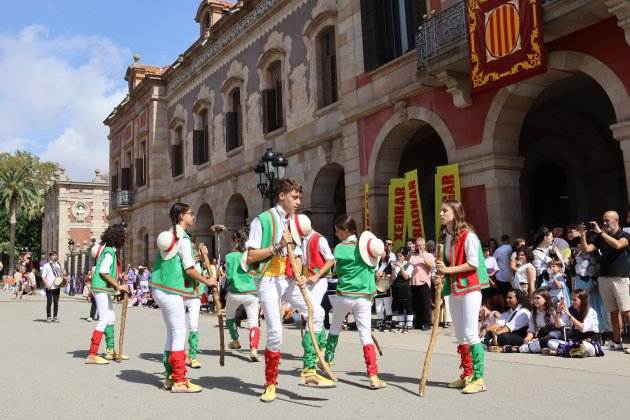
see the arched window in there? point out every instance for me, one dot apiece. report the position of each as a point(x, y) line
point(273, 117)
point(327, 67)
point(177, 151)
point(201, 138)
point(234, 121)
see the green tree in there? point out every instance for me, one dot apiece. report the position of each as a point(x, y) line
point(23, 182)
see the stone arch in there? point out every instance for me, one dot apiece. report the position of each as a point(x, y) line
point(404, 134)
point(236, 212)
point(203, 221)
point(511, 104)
point(328, 199)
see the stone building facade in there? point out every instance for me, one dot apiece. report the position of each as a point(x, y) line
point(75, 211)
point(340, 88)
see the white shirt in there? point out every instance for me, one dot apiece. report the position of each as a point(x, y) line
point(502, 254)
point(322, 246)
point(519, 320)
point(406, 266)
point(383, 264)
point(591, 323)
point(254, 240)
point(520, 276)
point(48, 274)
point(471, 247)
point(106, 263)
point(491, 264)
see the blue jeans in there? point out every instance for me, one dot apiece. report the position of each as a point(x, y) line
point(586, 283)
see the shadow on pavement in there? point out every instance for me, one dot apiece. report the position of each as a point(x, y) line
point(140, 377)
point(40, 320)
point(151, 357)
point(394, 380)
point(244, 354)
point(79, 354)
point(232, 384)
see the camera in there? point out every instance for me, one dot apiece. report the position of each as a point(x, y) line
point(589, 225)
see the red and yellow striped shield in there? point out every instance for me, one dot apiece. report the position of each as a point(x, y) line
point(502, 30)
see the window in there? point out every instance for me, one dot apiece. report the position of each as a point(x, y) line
point(328, 70)
point(141, 178)
point(201, 138)
point(114, 181)
point(125, 175)
point(272, 99)
point(389, 28)
point(233, 121)
point(177, 153)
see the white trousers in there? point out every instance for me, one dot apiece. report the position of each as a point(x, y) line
point(249, 302)
point(105, 308)
point(555, 343)
point(318, 290)
point(465, 315)
point(361, 309)
point(445, 314)
point(383, 306)
point(273, 290)
point(193, 306)
point(174, 316)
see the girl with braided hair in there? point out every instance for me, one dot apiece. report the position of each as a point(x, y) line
point(175, 279)
point(241, 290)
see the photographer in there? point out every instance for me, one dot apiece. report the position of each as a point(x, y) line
point(614, 284)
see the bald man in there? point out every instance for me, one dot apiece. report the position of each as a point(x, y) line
point(614, 274)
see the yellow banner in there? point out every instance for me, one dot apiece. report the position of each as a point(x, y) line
point(446, 186)
point(413, 209)
point(366, 208)
point(396, 211)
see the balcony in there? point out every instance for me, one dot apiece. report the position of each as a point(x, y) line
point(121, 200)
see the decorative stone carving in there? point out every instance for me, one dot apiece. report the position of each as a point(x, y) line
point(302, 107)
point(401, 109)
point(80, 211)
point(621, 9)
point(457, 85)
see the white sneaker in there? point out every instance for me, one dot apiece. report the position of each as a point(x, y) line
point(612, 346)
point(89, 319)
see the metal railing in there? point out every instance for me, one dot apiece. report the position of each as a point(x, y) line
point(121, 199)
point(441, 33)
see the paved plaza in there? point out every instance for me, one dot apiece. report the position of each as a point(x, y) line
point(43, 375)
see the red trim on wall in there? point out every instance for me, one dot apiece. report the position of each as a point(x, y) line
point(362, 80)
point(368, 129)
point(474, 200)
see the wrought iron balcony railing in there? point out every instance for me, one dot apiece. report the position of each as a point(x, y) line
point(121, 199)
point(441, 33)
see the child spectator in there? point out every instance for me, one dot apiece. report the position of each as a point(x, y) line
point(556, 284)
point(545, 323)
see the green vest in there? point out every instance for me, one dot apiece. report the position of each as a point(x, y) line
point(169, 277)
point(191, 285)
point(356, 278)
point(99, 285)
point(269, 223)
point(238, 281)
point(481, 271)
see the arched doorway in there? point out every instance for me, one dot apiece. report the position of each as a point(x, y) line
point(328, 199)
point(236, 213)
point(202, 233)
point(573, 166)
point(410, 145)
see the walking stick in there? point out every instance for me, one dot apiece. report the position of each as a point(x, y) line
point(217, 304)
point(434, 332)
point(378, 346)
point(309, 306)
point(123, 324)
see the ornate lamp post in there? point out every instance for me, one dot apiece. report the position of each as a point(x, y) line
point(270, 169)
point(71, 258)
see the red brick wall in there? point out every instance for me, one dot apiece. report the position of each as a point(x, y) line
point(474, 200)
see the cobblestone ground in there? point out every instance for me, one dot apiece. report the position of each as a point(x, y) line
point(43, 375)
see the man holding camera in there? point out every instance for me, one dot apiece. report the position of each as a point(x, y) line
point(614, 282)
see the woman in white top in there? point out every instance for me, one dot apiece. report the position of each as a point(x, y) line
point(544, 324)
point(525, 275)
point(583, 318)
point(542, 246)
point(511, 328)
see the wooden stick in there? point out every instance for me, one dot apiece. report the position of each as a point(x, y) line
point(435, 331)
point(217, 304)
point(123, 325)
point(378, 346)
point(309, 306)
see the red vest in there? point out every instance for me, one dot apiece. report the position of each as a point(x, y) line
point(462, 283)
point(314, 259)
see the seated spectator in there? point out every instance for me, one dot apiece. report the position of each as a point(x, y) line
point(583, 321)
point(525, 275)
point(487, 318)
point(511, 328)
point(556, 284)
point(544, 324)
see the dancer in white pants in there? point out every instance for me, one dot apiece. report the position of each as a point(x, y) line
point(356, 267)
point(241, 291)
point(104, 286)
point(175, 278)
point(268, 260)
point(464, 274)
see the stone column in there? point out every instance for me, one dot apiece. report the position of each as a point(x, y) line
point(501, 177)
point(621, 132)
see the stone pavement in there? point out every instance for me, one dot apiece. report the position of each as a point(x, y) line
point(43, 375)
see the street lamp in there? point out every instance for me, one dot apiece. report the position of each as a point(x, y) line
point(270, 169)
point(71, 257)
